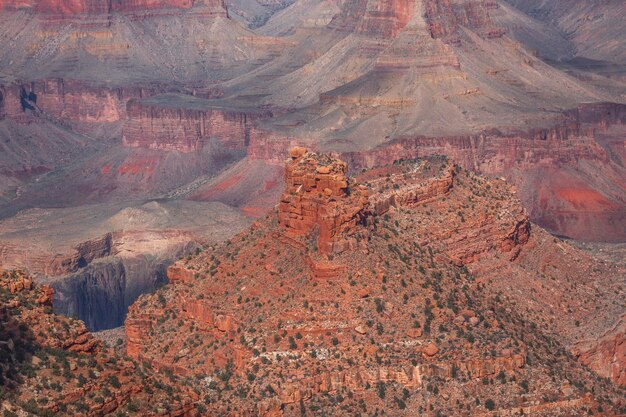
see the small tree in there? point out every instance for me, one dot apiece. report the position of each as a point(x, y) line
point(490, 404)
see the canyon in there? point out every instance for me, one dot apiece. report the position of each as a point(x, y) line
point(97, 274)
point(143, 148)
point(52, 365)
point(412, 286)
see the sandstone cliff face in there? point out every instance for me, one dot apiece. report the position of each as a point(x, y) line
point(187, 129)
point(69, 101)
point(86, 252)
point(446, 17)
point(56, 264)
point(385, 18)
point(318, 200)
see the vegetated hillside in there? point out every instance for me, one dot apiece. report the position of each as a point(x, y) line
point(416, 287)
point(51, 365)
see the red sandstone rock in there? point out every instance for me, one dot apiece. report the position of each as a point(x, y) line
point(176, 273)
point(317, 200)
point(430, 350)
point(153, 125)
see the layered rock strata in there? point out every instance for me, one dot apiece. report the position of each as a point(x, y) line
point(63, 8)
point(318, 199)
point(187, 129)
point(69, 101)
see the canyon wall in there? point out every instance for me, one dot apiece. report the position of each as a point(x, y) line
point(386, 18)
point(572, 135)
point(13, 255)
point(76, 7)
point(95, 295)
point(68, 101)
point(188, 129)
point(101, 293)
point(571, 139)
point(446, 17)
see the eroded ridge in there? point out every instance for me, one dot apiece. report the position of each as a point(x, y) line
point(287, 320)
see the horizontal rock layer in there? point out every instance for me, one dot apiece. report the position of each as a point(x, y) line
point(187, 130)
point(68, 101)
point(317, 200)
point(76, 7)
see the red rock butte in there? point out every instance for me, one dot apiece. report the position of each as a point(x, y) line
point(382, 286)
point(319, 199)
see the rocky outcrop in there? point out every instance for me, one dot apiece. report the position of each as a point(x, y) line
point(86, 253)
point(409, 190)
point(73, 337)
point(552, 168)
point(404, 185)
point(319, 200)
point(446, 17)
point(606, 356)
point(487, 234)
point(176, 274)
point(68, 101)
point(398, 315)
point(137, 331)
point(188, 129)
